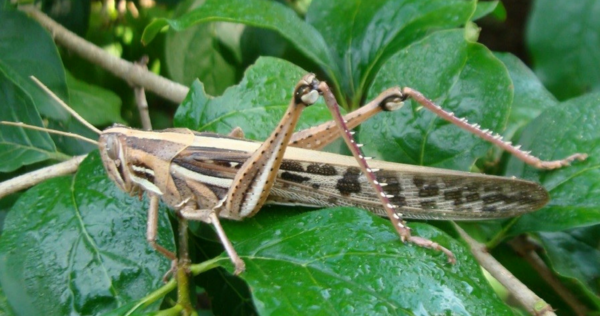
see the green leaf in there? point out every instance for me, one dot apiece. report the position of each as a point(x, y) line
point(461, 77)
point(256, 104)
point(18, 146)
point(348, 261)
point(37, 56)
point(563, 38)
point(96, 105)
point(575, 254)
point(72, 14)
point(198, 52)
point(279, 18)
point(32, 55)
point(530, 96)
point(5, 309)
point(295, 241)
point(195, 54)
point(496, 8)
point(76, 245)
point(363, 34)
point(567, 128)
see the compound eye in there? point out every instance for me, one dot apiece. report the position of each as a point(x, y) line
point(306, 94)
point(112, 148)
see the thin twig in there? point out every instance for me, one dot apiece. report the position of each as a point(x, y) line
point(32, 178)
point(183, 268)
point(123, 69)
point(526, 249)
point(528, 300)
point(195, 269)
point(140, 98)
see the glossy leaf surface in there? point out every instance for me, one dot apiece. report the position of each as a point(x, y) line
point(575, 254)
point(362, 35)
point(255, 105)
point(461, 77)
point(20, 147)
point(564, 40)
point(567, 128)
point(348, 261)
point(37, 57)
point(76, 245)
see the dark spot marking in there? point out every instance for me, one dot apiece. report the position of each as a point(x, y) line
point(316, 186)
point(455, 196)
point(393, 187)
point(472, 197)
point(489, 209)
point(429, 190)
point(492, 188)
point(428, 204)
point(291, 166)
point(426, 188)
point(471, 187)
point(293, 177)
point(490, 199)
point(525, 198)
point(398, 200)
point(349, 182)
point(332, 200)
point(418, 182)
point(324, 169)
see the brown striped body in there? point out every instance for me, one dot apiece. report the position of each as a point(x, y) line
point(201, 167)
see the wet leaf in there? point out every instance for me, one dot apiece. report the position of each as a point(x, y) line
point(76, 245)
point(20, 147)
point(37, 56)
point(530, 96)
point(460, 76)
point(199, 53)
point(563, 39)
point(98, 106)
point(363, 35)
point(256, 104)
point(348, 261)
point(575, 253)
point(280, 19)
point(567, 128)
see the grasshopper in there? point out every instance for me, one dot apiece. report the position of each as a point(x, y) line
point(206, 176)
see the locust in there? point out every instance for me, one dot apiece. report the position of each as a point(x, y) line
point(206, 176)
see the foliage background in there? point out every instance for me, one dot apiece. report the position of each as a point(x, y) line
point(76, 245)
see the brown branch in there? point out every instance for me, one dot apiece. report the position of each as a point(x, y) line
point(140, 98)
point(526, 249)
point(32, 178)
point(123, 69)
point(528, 300)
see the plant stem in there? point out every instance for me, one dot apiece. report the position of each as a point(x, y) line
point(130, 72)
point(526, 298)
point(183, 268)
point(500, 235)
point(154, 296)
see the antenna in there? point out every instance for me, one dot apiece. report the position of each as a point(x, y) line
point(65, 106)
point(51, 131)
point(47, 130)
